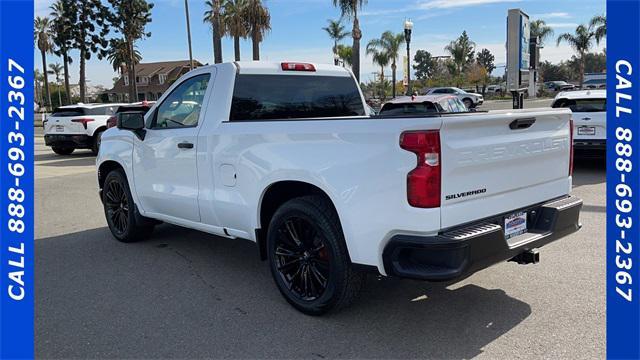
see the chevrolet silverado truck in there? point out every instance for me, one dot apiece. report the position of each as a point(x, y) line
point(287, 155)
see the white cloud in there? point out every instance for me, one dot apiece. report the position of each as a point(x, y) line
point(551, 15)
point(446, 4)
point(563, 25)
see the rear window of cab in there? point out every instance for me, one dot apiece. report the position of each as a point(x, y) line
point(582, 105)
point(281, 97)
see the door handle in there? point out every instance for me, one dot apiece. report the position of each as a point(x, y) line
point(185, 145)
point(522, 123)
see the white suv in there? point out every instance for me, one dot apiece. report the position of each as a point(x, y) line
point(470, 100)
point(589, 117)
point(77, 127)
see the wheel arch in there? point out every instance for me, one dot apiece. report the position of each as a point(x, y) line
point(276, 194)
point(105, 168)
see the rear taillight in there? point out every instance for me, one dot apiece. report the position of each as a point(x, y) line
point(423, 182)
point(293, 66)
point(83, 121)
point(571, 147)
point(112, 122)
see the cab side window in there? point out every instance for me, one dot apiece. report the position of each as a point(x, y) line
point(182, 107)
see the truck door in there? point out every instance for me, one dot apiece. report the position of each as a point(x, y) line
point(164, 162)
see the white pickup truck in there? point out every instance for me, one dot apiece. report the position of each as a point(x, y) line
point(286, 155)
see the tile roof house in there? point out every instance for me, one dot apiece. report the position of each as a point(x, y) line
point(152, 80)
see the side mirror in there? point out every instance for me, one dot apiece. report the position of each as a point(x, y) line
point(133, 121)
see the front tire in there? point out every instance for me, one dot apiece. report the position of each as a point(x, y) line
point(124, 221)
point(308, 257)
point(468, 103)
point(62, 150)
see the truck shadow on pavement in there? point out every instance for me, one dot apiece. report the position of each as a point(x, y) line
point(187, 294)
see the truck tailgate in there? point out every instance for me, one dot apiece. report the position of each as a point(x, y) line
point(501, 161)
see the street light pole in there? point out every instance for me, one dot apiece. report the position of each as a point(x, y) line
point(186, 8)
point(408, 26)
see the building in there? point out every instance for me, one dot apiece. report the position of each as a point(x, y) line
point(152, 80)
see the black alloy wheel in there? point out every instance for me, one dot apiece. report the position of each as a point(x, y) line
point(117, 206)
point(302, 258)
point(308, 256)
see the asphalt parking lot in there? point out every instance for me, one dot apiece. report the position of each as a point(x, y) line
point(187, 294)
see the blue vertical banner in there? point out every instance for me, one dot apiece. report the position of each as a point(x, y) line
point(16, 180)
point(623, 179)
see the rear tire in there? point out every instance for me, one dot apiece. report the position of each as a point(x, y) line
point(313, 273)
point(62, 150)
point(97, 139)
point(124, 220)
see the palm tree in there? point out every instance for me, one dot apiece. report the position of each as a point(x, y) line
point(581, 42)
point(345, 53)
point(392, 43)
point(336, 32)
point(56, 70)
point(258, 23)
point(599, 23)
point(42, 38)
point(37, 79)
point(62, 12)
point(235, 23)
point(540, 29)
point(380, 57)
point(350, 9)
point(119, 55)
point(212, 16)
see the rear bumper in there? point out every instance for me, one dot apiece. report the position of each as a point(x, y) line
point(589, 144)
point(460, 252)
point(74, 141)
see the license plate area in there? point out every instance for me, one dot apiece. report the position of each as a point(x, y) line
point(59, 128)
point(587, 130)
point(515, 224)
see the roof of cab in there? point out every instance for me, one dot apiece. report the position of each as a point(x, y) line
point(419, 99)
point(273, 67)
point(91, 105)
point(582, 94)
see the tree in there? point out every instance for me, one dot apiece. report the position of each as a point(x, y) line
point(424, 64)
point(462, 50)
point(119, 55)
point(56, 70)
point(599, 23)
point(593, 63)
point(235, 24)
point(336, 32)
point(581, 42)
point(477, 74)
point(62, 35)
point(486, 59)
point(345, 53)
point(42, 37)
point(90, 29)
point(212, 16)
point(349, 8)
point(37, 79)
point(380, 57)
point(258, 23)
point(554, 72)
point(392, 44)
point(130, 18)
point(540, 29)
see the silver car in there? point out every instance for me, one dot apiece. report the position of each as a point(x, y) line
point(470, 100)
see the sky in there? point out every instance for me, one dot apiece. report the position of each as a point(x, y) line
point(297, 30)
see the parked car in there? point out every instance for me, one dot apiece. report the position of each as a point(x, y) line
point(77, 126)
point(142, 107)
point(470, 100)
point(558, 86)
point(421, 105)
point(285, 155)
point(495, 89)
point(589, 108)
